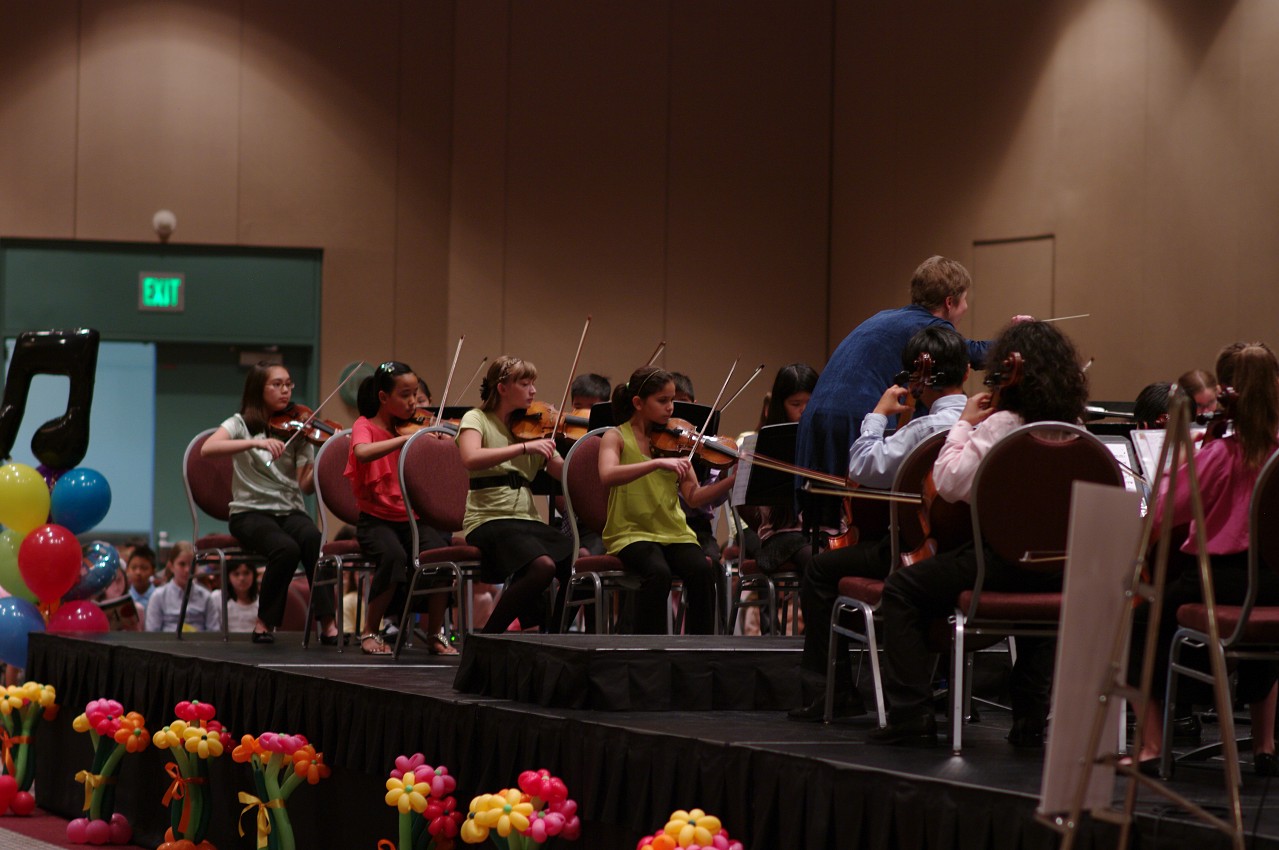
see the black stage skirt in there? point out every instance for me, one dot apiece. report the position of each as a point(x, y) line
point(508, 545)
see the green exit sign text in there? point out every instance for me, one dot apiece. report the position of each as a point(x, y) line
point(161, 291)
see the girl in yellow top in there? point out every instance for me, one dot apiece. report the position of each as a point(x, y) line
point(646, 528)
point(501, 519)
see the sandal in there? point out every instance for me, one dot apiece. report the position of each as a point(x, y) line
point(379, 644)
point(439, 645)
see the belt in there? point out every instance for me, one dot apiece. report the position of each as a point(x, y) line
point(513, 480)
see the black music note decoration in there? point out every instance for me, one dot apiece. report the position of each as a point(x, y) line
point(62, 442)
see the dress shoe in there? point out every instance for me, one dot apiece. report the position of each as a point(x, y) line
point(1187, 730)
point(264, 637)
point(1027, 733)
point(916, 732)
point(1265, 764)
point(846, 705)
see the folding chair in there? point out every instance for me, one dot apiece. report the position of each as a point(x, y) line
point(1020, 509)
point(207, 481)
point(335, 496)
point(435, 484)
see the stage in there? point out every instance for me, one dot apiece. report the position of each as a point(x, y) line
point(774, 783)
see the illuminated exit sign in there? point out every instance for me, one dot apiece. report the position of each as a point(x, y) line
point(161, 292)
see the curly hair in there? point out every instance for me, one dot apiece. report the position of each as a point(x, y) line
point(1053, 387)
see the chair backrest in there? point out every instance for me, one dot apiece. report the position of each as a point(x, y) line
point(433, 479)
point(1264, 516)
point(1021, 493)
point(904, 524)
point(332, 487)
point(207, 481)
point(585, 496)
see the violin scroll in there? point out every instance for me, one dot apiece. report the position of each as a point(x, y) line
point(300, 420)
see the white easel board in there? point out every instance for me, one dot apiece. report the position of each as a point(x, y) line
point(1105, 528)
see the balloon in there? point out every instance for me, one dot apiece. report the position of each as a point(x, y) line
point(24, 803)
point(80, 499)
point(49, 475)
point(8, 787)
point(24, 498)
point(59, 443)
point(98, 568)
point(78, 830)
point(78, 616)
point(98, 832)
point(18, 618)
point(121, 831)
point(49, 560)
point(10, 575)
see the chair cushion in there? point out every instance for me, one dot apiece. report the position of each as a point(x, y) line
point(343, 548)
point(1263, 622)
point(217, 541)
point(448, 553)
point(731, 552)
point(1013, 606)
point(868, 590)
point(599, 564)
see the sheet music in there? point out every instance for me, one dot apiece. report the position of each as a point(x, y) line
point(1149, 442)
point(745, 451)
point(1126, 463)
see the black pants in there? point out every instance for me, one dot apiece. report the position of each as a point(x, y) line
point(817, 597)
point(388, 544)
point(917, 595)
point(285, 540)
point(655, 564)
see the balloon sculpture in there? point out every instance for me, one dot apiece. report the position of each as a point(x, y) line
point(690, 830)
point(280, 764)
point(423, 795)
point(22, 707)
point(193, 739)
point(113, 733)
point(525, 817)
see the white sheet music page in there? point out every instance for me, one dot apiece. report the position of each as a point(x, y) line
point(745, 451)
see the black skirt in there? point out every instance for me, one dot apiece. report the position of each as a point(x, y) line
point(509, 545)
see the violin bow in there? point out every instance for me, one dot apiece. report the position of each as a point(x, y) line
point(733, 397)
point(657, 352)
point(478, 369)
point(1066, 318)
point(559, 414)
point(830, 485)
point(316, 411)
point(457, 352)
point(701, 434)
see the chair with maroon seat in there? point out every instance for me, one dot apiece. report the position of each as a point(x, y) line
point(774, 591)
point(860, 595)
point(1021, 511)
point(207, 481)
point(435, 484)
point(586, 500)
point(333, 492)
point(1247, 631)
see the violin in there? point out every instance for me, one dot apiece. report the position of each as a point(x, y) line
point(678, 437)
point(1221, 420)
point(422, 417)
point(540, 420)
point(915, 382)
point(298, 419)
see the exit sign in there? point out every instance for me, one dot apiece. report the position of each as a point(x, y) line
point(161, 291)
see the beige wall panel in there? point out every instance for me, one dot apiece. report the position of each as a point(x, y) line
point(422, 189)
point(38, 77)
point(318, 147)
point(1099, 69)
point(1257, 300)
point(748, 197)
point(477, 224)
point(902, 187)
point(1194, 178)
point(586, 184)
point(158, 89)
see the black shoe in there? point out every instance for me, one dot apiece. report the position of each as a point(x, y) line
point(916, 732)
point(329, 640)
point(264, 637)
point(1265, 764)
point(1027, 733)
point(846, 705)
point(1187, 730)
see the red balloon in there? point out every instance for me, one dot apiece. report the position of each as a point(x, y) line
point(78, 616)
point(24, 803)
point(49, 560)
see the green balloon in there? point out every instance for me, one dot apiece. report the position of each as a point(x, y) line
point(10, 575)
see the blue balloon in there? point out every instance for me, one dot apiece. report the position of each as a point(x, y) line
point(97, 570)
point(18, 618)
point(80, 499)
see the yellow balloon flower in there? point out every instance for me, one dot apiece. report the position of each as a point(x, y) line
point(695, 827)
point(407, 794)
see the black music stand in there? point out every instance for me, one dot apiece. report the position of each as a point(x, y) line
point(601, 415)
point(697, 415)
point(771, 487)
point(451, 411)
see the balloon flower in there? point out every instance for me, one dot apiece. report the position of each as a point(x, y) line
point(113, 733)
point(694, 830)
point(525, 817)
point(22, 707)
point(280, 764)
point(417, 789)
point(193, 739)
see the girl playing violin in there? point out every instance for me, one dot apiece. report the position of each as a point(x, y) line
point(645, 527)
point(501, 518)
point(387, 396)
point(1227, 471)
point(268, 514)
point(1052, 388)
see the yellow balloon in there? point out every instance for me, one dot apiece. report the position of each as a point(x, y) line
point(24, 498)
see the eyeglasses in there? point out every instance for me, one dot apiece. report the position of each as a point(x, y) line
point(280, 385)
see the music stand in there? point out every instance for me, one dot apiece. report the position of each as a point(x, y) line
point(697, 415)
point(601, 415)
point(451, 411)
point(770, 487)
